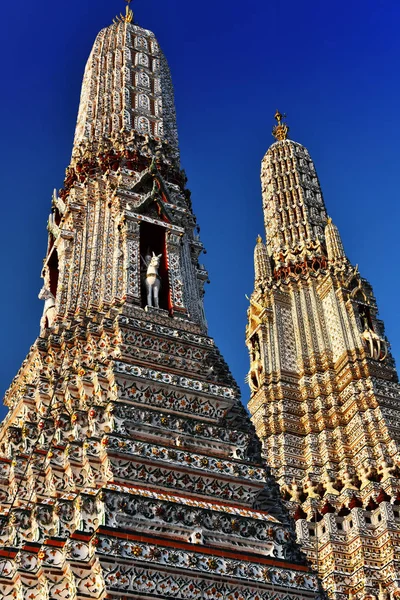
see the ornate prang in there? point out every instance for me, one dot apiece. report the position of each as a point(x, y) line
point(324, 391)
point(128, 465)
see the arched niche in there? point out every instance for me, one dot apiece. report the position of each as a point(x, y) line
point(153, 239)
point(53, 272)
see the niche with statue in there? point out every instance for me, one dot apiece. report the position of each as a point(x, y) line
point(48, 292)
point(155, 290)
point(375, 345)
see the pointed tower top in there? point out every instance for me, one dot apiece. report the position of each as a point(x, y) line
point(262, 264)
point(334, 244)
point(127, 91)
point(281, 130)
point(128, 16)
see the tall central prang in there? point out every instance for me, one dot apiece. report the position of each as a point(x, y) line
point(129, 468)
point(127, 202)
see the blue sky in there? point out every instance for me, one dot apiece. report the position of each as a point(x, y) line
point(331, 66)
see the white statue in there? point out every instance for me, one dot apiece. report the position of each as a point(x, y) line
point(153, 280)
point(49, 310)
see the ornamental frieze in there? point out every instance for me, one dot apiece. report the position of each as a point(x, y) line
point(126, 418)
point(184, 458)
point(203, 563)
point(128, 511)
point(173, 399)
point(151, 581)
point(176, 380)
point(168, 331)
point(119, 469)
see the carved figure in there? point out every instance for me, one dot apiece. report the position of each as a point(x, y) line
point(329, 485)
point(364, 475)
point(310, 488)
point(364, 321)
point(255, 376)
point(52, 227)
point(376, 346)
point(295, 491)
point(255, 312)
point(347, 481)
point(153, 280)
point(386, 470)
point(58, 203)
point(49, 310)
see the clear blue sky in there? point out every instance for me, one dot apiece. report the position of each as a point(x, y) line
point(333, 67)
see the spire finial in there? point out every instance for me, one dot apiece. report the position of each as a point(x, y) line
point(128, 16)
point(281, 130)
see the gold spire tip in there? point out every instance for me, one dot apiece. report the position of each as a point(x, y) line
point(128, 16)
point(329, 220)
point(259, 239)
point(280, 130)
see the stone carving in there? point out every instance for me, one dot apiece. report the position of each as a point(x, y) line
point(328, 483)
point(310, 488)
point(52, 227)
point(386, 470)
point(49, 309)
point(376, 346)
point(58, 203)
point(255, 375)
point(153, 280)
point(347, 481)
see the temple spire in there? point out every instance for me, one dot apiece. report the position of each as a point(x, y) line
point(262, 265)
point(320, 373)
point(125, 423)
point(334, 244)
point(294, 209)
point(137, 99)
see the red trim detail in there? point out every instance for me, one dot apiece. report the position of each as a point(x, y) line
point(83, 537)
point(8, 553)
point(199, 549)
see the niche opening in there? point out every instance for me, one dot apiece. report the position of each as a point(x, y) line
point(152, 239)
